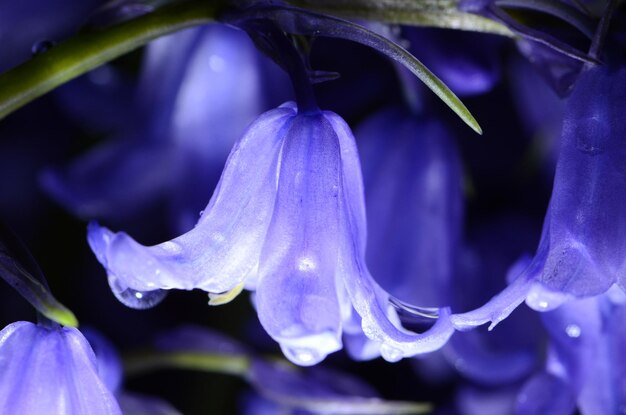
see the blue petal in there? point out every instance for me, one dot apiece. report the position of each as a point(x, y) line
point(224, 247)
point(296, 293)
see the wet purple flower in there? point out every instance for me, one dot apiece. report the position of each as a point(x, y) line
point(50, 370)
point(583, 243)
point(288, 221)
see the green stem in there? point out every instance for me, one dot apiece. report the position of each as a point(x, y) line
point(230, 364)
point(87, 51)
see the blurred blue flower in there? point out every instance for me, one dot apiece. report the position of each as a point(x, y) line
point(288, 221)
point(468, 62)
point(210, 88)
point(50, 370)
point(412, 177)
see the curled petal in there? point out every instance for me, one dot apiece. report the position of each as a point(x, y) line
point(496, 309)
point(224, 247)
point(379, 320)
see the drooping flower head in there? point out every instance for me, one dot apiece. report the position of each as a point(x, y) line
point(287, 219)
point(583, 243)
point(46, 370)
point(292, 228)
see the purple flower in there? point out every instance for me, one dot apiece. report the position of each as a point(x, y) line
point(287, 220)
point(583, 242)
point(50, 371)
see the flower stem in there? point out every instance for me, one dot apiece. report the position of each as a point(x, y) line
point(230, 364)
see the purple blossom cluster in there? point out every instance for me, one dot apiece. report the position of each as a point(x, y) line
point(311, 173)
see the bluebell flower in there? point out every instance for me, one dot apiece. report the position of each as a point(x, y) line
point(583, 244)
point(287, 220)
point(50, 370)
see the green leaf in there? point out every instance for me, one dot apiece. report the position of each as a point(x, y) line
point(87, 51)
point(14, 258)
point(431, 13)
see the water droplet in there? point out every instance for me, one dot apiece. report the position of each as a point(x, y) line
point(390, 354)
point(303, 357)
point(139, 300)
point(171, 247)
point(306, 264)
point(217, 63)
point(42, 46)
point(542, 299)
point(573, 331)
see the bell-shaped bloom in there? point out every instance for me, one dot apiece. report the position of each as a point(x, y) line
point(287, 220)
point(582, 251)
point(412, 176)
point(50, 371)
point(205, 76)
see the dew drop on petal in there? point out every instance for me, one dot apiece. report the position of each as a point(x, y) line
point(390, 353)
point(573, 331)
point(139, 300)
point(302, 356)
